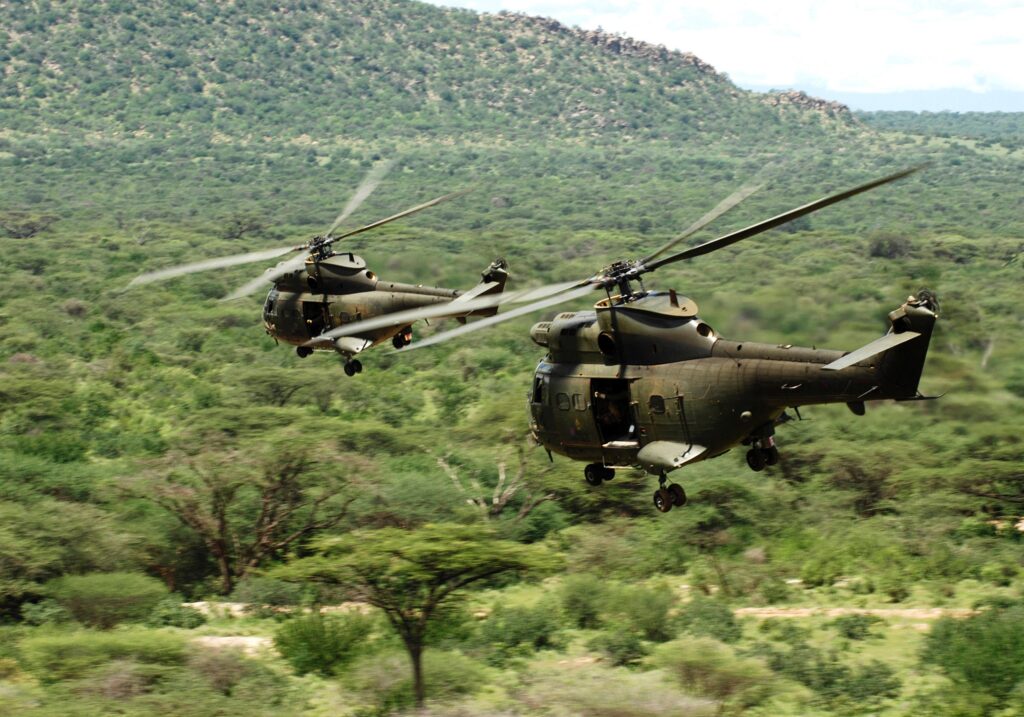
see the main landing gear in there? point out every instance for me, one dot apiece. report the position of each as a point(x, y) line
point(668, 496)
point(402, 338)
point(762, 453)
point(303, 351)
point(596, 473)
point(352, 367)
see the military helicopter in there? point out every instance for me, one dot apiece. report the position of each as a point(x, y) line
point(640, 380)
point(322, 289)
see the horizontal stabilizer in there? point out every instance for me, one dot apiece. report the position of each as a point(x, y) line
point(668, 455)
point(875, 347)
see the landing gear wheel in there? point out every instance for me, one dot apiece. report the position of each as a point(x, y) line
point(593, 474)
point(678, 494)
point(401, 339)
point(303, 351)
point(771, 455)
point(756, 459)
point(350, 370)
point(607, 473)
point(663, 500)
point(356, 366)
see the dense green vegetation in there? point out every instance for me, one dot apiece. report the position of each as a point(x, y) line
point(145, 435)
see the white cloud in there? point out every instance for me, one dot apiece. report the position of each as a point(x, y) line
point(867, 46)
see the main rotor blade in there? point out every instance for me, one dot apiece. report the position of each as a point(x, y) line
point(724, 241)
point(271, 275)
point(207, 264)
point(725, 205)
point(364, 190)
point(448, 308)
point(491, 321)
point(393, 217)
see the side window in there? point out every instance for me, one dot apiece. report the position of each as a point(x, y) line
point(657, 404)
point(578, 402)
point(562, 401)
point(538, 389)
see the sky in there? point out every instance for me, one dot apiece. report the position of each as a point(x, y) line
point(958, 55)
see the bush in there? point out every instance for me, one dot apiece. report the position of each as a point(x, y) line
point(704, 616)
point(60, 657)
point(856, 627)
point(223, 669)
point(983, 653)
point(386, 678)
point(171, 613)
point(646, 610)
point(320, 644)
point(105, 599)
point(706, 667)
point(581, 597)
point(520, 630)
point(44, 612)
point(621, 644)
point(265, 597)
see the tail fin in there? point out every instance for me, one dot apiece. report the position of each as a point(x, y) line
point(900, 368)
point(902, 350)
point(492, 281)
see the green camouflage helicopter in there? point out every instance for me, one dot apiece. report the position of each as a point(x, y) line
point(322, 289)
point(640, 380)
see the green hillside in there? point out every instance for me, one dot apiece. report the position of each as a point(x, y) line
point(156, 446)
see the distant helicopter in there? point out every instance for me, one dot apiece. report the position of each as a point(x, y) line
point(640, 380)
point(321, 289)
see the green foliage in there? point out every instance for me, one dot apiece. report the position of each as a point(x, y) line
point(582, 596)
point(983, 653)
point(707, 616)
point(62, 656)
point(645, 610)
point(169, 612)
point(45, 612)
point(857, 627)
point(322, 644)
point(706, 667)
point(519, 630)
point(621, 644)
point(106, 599)
point(383, 679)
point(267, 597)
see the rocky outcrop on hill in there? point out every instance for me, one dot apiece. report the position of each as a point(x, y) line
point(796, 98)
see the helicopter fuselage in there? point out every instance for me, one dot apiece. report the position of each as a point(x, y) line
point(647, 383)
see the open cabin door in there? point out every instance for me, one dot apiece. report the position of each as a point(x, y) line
point(613, 416)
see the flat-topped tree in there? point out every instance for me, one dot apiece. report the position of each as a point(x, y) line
point(410, 575)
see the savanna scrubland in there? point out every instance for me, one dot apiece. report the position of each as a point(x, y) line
point(193, 520)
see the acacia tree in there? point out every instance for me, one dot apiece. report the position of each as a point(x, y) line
point(247, 510)
point(411, 575)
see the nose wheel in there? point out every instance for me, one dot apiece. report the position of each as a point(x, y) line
point(352, 367)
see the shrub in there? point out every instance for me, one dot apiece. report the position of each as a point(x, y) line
point(582, 596)
point(621, 644)
point(646, 610)
point(856, 627)
point(264, 597)
point(105, 599)
point(386, 678)
point(171, 613)
point(520, 630)
point(322, 644)
point(983, 653)
point(704, 616)
point(59, 657)
point(223, 669)
point(44, 612)
point(706, 667)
